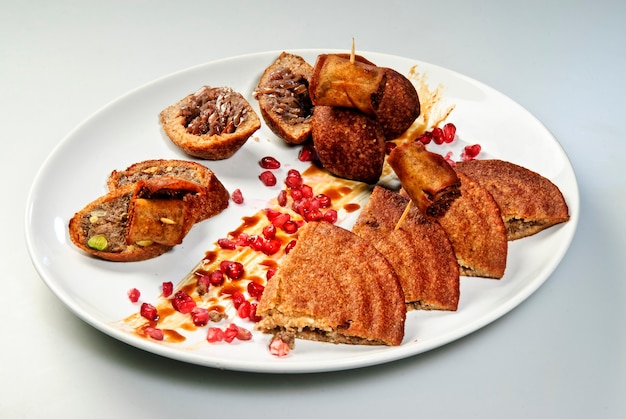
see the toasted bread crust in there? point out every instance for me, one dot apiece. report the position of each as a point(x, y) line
point(419, 250)
point(334, 286)
point(529, 202)
point(211, 146)
point(286, 81)
point(212, 199)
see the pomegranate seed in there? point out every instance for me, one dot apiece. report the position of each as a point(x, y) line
point(290, 227)
point(269, 231)
point(202, 284)
point(253, 316)
point(282, 198)
point(237, 196)
point(313, 215)
point(271, 213)
point(214, 334)
point(243, 333)
point(271, 246)
point(307, 191)
point(323, 200)
point(216, 278)
point(237, 298)
point(425, 138)
point(296, 194)
point(243, 310)
point(449, 132)
point(270, 273)
point(256, 242)
point(133, 295)
point(154, 333)
point(231, 332)
point(281, 220)
point(330, 216)
point(470, 152)
point(200, 316)
point(255, 289)
point(167, 288)
point(148, 311)
point(279, 348)
point(448, 158)
point(294, 179)
point(290, 246)
point(269, 162)
point(437, 135)
point(268, 178)
point(226, 244)
point(307, 153)
point(183, 303)
point(233, 270)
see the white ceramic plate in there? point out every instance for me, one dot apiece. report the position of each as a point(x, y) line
point(128, 130)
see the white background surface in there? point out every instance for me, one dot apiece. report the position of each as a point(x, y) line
point(562, 353)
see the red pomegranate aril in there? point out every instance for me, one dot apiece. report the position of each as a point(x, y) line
point(307, 191)
point(269, 231)
point(167, 288)
point(182, 302)
point(290, 227)
point(154, 333)
point(280, 220)
point(268, 178)
point(255, 289)
point(296, 194)
point(269, 162)
point(202, 284)
point(279, 348)
point(243, 333)
point(243, 310)
point(237, 196)
point(448, 158)
point(470, 152)
point(294, 179)
point(231, 333)
point(437, 135)
point(323, 200)
point(200, 316)
point(253, 316)
point(214, 335)
point(270, 273)
point(256, 242)
point(290, 246)
point(271, 213)
point(282, 198)
point(133, 295)
point(313, 215)
point(233, 270)
point(449, 132)
point(307, 153)
point(425, 138)
point(242, 239)
point(216, 278)
point(148, 311)
point(330, 216)
point(237, 299)
point(271, 246)
point(226, 244)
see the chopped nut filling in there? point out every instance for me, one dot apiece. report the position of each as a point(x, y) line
point(289, 96)
point(214, 111)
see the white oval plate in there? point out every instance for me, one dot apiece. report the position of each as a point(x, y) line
point(128, 130)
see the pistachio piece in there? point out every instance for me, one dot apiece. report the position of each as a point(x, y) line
point(97, 242)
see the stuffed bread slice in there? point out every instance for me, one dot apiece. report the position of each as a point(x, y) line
point(419, 250)
point(336, 287)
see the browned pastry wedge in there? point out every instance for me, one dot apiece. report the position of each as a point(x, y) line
point(212, 199)
point(336, 287)
point(419, 250)
point(476, 231)
point(213, 123)
point(398, 106)
point(529, 202)
point(428, 179)
point(349, 144)
point(284, 101)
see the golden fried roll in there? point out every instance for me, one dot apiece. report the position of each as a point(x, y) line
point(426, 177)
point(398, 106)
point(349, 144)
point(337, 81)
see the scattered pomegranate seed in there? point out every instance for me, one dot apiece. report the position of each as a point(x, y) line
point(279, 348)
point(243, 333)
point(330, 216)
point(269, 162)
point(437, 134)
point(237, 299)
point(290, 227)
point(148, 311)
point(202, 284)
point(280, 220)
point(268, 178)
point(470, 152)
point(282, 198)
point(237, 196)
point(182, 302)
point(215, 334)
point(154, 333)
point(271, 246)
point(233, 270)
point(296, 194)
point(231, 332)
point(167, 288)
point(216, 278)
point(269, 231)
point(133, 295)
point(270, 273)
point(323, 200)
point(294, 179)
point(226, 244)
point(243, 310)
point(425, 138)
point(290, 246)
point(253, 316)
point(307, 153)
point(200, 316)
point(255, 290)
point(448, 158)
point(449, 132)
point(313, 215)
point(307, 191)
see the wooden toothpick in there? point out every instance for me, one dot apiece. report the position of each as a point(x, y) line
point(404, 214)
point(352, 53)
